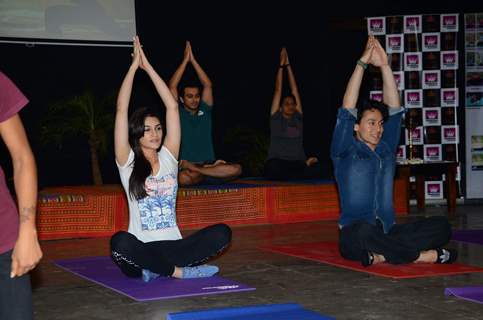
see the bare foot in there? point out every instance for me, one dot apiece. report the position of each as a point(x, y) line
point(214, 164)
point(429, 256)
point(378, 258)
point(370, 258)
point(311, 161)
point(177, 273)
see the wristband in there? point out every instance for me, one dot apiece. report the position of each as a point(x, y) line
point(362, 64)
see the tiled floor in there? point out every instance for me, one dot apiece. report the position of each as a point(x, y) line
point(331, 291)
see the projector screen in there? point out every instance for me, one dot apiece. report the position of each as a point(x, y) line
point(64, 20)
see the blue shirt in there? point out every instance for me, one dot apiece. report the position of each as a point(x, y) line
point(196, 140)
point(365, 177)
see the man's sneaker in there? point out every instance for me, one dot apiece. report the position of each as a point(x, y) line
point(446, 255)
point(202, 271)
point(149, 275)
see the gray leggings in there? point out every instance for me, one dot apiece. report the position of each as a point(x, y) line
point(15, 294)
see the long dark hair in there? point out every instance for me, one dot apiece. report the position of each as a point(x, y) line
point(141, 166)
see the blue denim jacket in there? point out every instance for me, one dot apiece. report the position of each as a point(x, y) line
point(365, 177)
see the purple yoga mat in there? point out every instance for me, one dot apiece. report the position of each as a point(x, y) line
point(471, 236)
point(474, 294)
point(103, 271)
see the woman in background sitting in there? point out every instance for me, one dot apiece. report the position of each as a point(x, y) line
point(286, 155)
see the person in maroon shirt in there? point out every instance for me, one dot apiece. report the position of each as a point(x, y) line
point(19, 247)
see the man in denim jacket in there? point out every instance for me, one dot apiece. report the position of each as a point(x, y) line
point(364, 169)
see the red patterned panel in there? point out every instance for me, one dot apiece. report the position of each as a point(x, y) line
point(200, 207)
point(76, 212)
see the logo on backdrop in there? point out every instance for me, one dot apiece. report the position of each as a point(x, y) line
point(376, 95)
point(412, 24)
point(399, 77)
point(449, 134)
point(431, 41)
point(412, 61)
point(449, 97)
point(401, 153)
point(449, 60)
point(433, 189)
point(394, 43)
point(431, 116)
point(432, 152)
point(376, 26)
point(449, 23)
point(416, 136)
point(431, 79)
point(413, 98)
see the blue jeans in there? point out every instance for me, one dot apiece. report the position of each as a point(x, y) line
point(15, 294)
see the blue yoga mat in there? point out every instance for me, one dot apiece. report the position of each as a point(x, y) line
point(288, 311)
